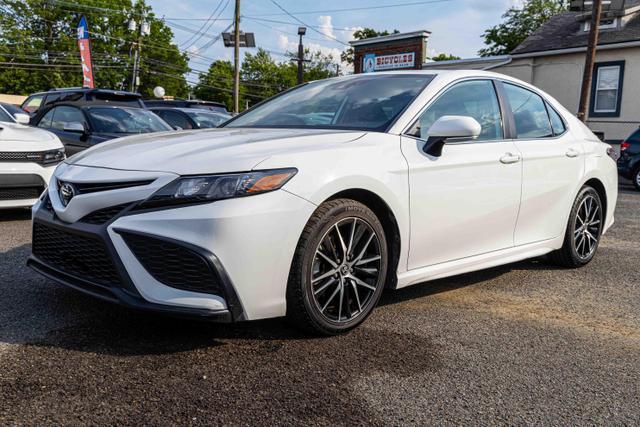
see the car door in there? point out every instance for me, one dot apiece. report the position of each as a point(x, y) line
point(552, 165)
point(465, 202)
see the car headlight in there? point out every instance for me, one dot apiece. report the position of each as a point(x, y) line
point(209, 188)
point(53, 156)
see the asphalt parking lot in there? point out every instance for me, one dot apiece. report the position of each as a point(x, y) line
point(524, 343)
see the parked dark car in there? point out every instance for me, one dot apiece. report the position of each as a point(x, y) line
point(629, 161)
point(41, 100)
point(80, 127)
point(187, 103)
point(190, 118)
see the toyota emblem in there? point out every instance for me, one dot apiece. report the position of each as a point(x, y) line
point(66, 193)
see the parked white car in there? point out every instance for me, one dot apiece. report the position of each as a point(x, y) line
point(28, 157)
point(313, 202)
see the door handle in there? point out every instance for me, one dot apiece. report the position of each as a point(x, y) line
point(509, 158)
point(572, 152)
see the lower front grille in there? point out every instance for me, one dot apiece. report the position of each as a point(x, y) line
point(82, 256)
point(173, 264)
point(20, 193)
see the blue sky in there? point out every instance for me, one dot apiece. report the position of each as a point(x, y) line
point(456, 25)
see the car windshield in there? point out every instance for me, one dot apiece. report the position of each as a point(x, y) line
point(5, 117)
point(357, 102)
point(126, 120)
point(206, 119)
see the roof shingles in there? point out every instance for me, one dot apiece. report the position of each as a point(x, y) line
point(564, 31)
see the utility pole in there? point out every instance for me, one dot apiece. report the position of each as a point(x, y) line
point(587, 77)
point(236, 60)
point(143, 30)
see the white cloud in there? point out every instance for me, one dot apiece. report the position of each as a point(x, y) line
point(326, 27)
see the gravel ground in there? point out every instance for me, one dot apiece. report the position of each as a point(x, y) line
point(524, 343)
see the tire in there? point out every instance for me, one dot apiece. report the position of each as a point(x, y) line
point(635, 177)
point(580, 240)
point(329, 293)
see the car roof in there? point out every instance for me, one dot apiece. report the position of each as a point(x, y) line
point(89, 90)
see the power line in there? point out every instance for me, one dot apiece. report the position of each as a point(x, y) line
point(352, 9)
point(206, 24)
point(295, 23)
point(306, 25)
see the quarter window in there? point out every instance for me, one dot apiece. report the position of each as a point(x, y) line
point(529, 113)
point(556, 121)
point(476, 98)
point(607, 88)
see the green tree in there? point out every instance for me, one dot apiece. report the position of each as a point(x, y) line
point(39, 40)
point(365, 33)
point(217, 84)
point(444, 57)
point(518, 24)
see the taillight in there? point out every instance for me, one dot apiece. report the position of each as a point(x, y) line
point(625, 145)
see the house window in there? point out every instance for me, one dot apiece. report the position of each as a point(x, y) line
point(605, 24)
point(606, 90)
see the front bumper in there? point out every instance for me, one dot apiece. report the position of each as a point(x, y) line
point(22, 183)
point(248, 242)
point(124, 292)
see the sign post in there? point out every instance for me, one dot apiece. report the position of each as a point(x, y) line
point(85, 53)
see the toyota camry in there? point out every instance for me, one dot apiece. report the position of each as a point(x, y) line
point(312, 203)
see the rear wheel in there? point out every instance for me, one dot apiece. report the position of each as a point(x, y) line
point(635, 177)
point(583, 230)
point(339, 268)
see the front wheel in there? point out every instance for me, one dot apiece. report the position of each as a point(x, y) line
point(339, 268)
point(584, 230)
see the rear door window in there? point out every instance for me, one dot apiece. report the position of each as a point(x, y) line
point(529, 113)
point(64, 115)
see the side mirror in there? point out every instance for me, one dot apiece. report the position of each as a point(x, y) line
point(449, 129)
point(22, 118)
point(75, 127)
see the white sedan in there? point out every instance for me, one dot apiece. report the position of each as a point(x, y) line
point(28, 157)
point(312, 203)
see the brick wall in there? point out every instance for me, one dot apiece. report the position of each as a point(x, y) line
point(390, 48)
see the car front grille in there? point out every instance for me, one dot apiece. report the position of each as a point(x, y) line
point(82, 256)
point(105, 215)
point(173, 264)
point(94, 187)
point(24, 156)
point(20, 193)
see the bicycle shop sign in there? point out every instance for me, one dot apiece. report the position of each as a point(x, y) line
point(372, 62)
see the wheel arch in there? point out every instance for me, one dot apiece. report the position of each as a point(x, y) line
point(598, 185)
point(389, 223)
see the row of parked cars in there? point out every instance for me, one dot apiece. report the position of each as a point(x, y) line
point(50, 126)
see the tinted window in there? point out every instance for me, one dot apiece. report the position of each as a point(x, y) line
point(12, 109)
point(475, 99)
point(45, 121)
point(365, 102)
point(174, 119)
point(33, 103)
point(529, 113)
point(556, 121)
point(126, 120)
point(63, 115)
point(208, 119)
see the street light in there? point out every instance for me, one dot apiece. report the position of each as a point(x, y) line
point(301, 32)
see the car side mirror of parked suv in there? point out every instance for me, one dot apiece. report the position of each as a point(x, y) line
point(75, 127)
point(450, 129)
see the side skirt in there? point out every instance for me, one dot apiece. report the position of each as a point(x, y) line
point(478, 262)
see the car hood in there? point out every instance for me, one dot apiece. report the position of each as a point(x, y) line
point(17, 137)
point(208, 150)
